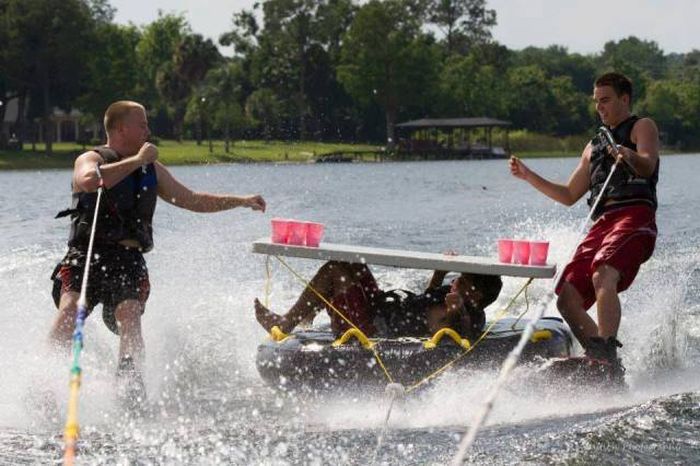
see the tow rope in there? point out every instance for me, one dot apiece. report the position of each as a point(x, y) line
point(72, 428)
point(513, 357)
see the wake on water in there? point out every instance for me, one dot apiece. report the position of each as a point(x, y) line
point(209, 405)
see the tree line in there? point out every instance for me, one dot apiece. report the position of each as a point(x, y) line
point(324, 70)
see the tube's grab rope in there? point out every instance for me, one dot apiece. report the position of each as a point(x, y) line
point(462, 355)
point(362, 337)
point(268, 281)
point(71, 430)
point(342, 316)
point(372, 348)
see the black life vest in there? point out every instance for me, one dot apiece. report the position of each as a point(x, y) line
point(625, 186)
point(126, 209)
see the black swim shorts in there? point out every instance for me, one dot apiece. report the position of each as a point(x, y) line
point(117, 274)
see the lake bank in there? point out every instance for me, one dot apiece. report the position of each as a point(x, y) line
point(189, 153)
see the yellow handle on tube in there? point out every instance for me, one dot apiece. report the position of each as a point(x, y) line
point(435, 340)
point(276, 334)
point(354, 333)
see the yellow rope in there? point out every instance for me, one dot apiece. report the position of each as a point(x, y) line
point(443, 368)
point(72, 428)
point(498, 317)
point(522, 314)
point(268, 281)
point(342, 316)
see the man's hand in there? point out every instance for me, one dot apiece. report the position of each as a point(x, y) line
point(518, 169)
point(625, 155)
point(255, 202)
point(454, 301)
point(148, 153)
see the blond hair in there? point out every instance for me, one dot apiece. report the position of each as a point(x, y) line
point(117, 113)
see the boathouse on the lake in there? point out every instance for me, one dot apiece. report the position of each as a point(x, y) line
point(452, 138)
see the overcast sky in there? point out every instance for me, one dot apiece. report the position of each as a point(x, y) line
point(580, 25)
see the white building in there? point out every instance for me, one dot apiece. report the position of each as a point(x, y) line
point(67, 126)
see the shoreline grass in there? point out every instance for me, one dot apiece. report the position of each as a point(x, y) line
point(189, 153)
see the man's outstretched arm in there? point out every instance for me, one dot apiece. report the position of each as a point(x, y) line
point(177, 194)
point(567, 194)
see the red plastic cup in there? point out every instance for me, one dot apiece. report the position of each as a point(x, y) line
point(280, 230)
point(538, 252)
point(505, 250)
point(297, 233)
point(521, 252)
point(314, 233)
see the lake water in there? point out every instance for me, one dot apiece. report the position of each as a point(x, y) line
point(201, 335)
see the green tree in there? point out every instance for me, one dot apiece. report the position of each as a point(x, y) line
point(46, 48)
point(113, 69)
point(530, 101)
point(462, 22)
point(222, 90)
point(294, 54)
point(675, 106)
point(556, 61)
point(194, 56)
point(468, 88)
point(570, 113)
point(101, 11)
point(388, 60)
point(644, 55)
point(263, 107)
point(155, 50)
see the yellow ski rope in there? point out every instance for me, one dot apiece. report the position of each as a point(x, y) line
point(268, 282)
point(71, 430)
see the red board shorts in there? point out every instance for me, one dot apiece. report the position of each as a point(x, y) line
point(623, 238)
point(117, 274)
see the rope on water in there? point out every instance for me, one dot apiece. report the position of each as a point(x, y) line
point(394, 390)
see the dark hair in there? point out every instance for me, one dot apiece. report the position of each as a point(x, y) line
point(620, 83)
point(488, 285)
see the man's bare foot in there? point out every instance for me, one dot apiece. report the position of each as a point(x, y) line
point(267, 318)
